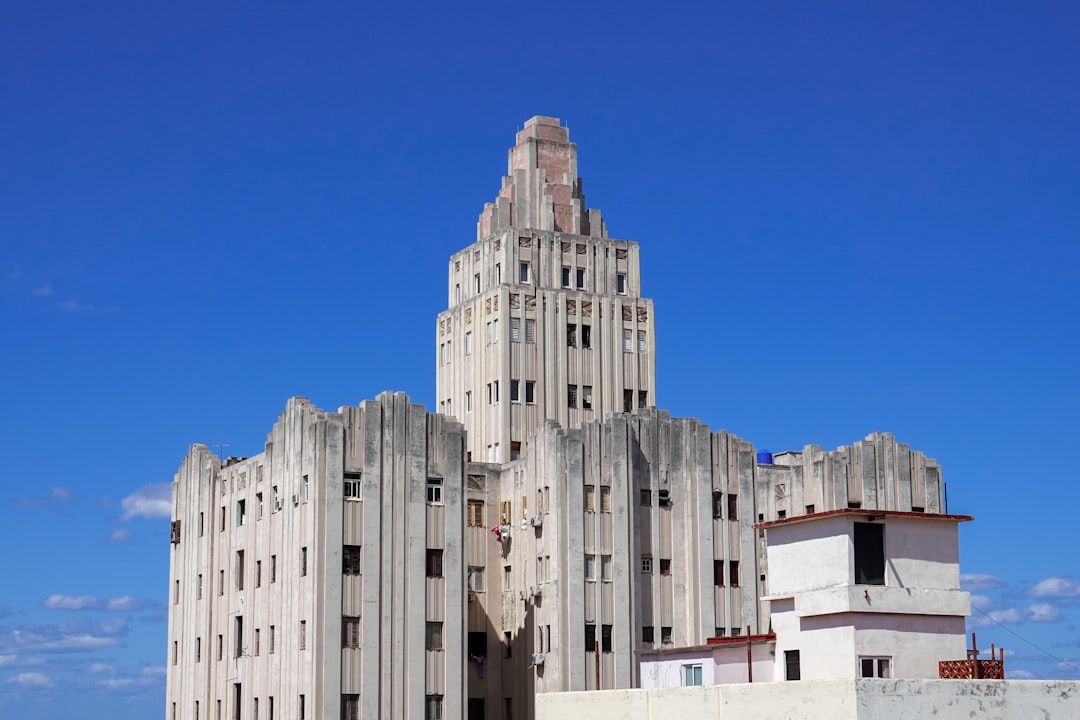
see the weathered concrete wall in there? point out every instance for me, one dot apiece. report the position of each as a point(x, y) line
point(827, 700)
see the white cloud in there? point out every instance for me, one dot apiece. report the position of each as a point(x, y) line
point(981, 602)
point(1007, 616)
point(122, 603)
point(43, 291)
point(6, 660)
point(1055, 587)
point(69, 602)
point(51, 638)
point(100, 669)
point(973, 582)
point(149, 501)
point(1043, 612)
point(113, 627)
point(153, 670)
point(116, 683)
point(119, 535)
point(31, 679)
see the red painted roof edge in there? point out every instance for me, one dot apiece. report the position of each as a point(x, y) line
point(864, 511)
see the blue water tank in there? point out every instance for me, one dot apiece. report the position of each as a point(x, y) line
point(764, 457)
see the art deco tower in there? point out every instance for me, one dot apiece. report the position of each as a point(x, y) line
point(545, 317)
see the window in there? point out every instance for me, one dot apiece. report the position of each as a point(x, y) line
point(691, 675)
point(665, 635)
point(273, 568)
point(201, 523)
point(530, 392)
point(571, 335)
point(718, 573)
point(259, 505)
point(571, 396)
point(515, 329)
point(220, 646)
point(733, 573)
point(273, 639)
point(222, 527)
point(257, 639)
point(605, 498)
point(198, 649)
point(475, 709)
point(590, 637)
point(809, 509)
point(643, 398)
point(627, 340)
point(350, 707)
point(476, 283)
point(198, 588)
point(506, 578)
point(176, 593)
point(875, 667)
point(605, 568)
point(498, 272)
point(175, 652)
point(457, 292)
point(241, 512)
point(515, 394)
point(645, 498)
point(620, 283)
point(590, 566)
point(641, 343)
point(628, 400)
point(590, 498)
point(478, 644)
point(434, 563)
point(523, 272)
point(586, 397)
point(717, 504)
point(433, 636)
point(303, 708)
point(792, 671)
point(586, 336)
point(869, 554)
point(565, 276)
point(732, 506)
point(221, 582)
point(646, 564)
point(434, 490)
point(271, 707)
point(303, 634)
point(351, 485)
point(350, 560)
point(433, 707)
point(303, 562)
point(605, 638)
point(475, 513)
point(475, 579)
point(515, 449)
point(238, 627)
point(306, 484)
point(493, 392)
point(647, 633)
point(580, 277)
point(530, 331)
point(665, 566)
point(274, 502)
point(468, 342)
point(239, 569)
point(468, 401)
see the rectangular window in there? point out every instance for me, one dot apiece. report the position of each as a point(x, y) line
point(733, 573)
point(647, 634)
point(478, 644)
point(628, 400)
point(717, 504)
point(273, 639)
point(241, 512)
point(350, 707)
point(665, 635)
point(515, 391)
point(239, 569)
point(350, 560)
point(627, 340)
point(273, 568)
point(586, 336)
point(475, 578)
point(590, 566)
point(303, 562)
point(580, 277)
point(565, 276)
point(641, 343)
point(257, 641)
point(201, 523)
point(220, 646)
point(433, 707)
point(475, 709)
point(498, 273)
point(691, 675)
point(875, 667)
point(620, 283)
point(222, 528)
point(198, 588)
point(530, 331)
point(718, 573)
point(792, 671)
point(605, 638)
point(238, 627)
point(605, 498)
point(506, 578)
point(198, 649)
point(645, 498)
point(221, 582)
point(530, 392)
point(258, 573)
point(515, 329)
point(589, 497)
point(523, 272)
point(175, 652)
point(586, 397)
point(646, 564)
point(351, 486)
point(590, 637)
point(303, 708)
point(571, 396)
point(259, 505)
point(665, 566)
point(475, 513)
point(434, 490)
point(605, 568)
point(176, 593)
point(434, 563)
point(468, 401)
point(468, 342)
point(515, 449)
point(643, 398)
point(303, 634)
point(476, 283)
point(571, 335)
point(732, 506)
point(433, 637)
point(869, 554)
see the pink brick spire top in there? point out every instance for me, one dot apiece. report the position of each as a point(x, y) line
point(542, 190)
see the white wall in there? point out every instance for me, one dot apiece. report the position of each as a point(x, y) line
point(922, 554)
point(809, 555)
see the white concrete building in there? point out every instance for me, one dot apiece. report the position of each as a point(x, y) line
point(359, 544)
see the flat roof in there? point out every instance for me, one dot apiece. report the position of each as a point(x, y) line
point(869, 512)
point(714, 643)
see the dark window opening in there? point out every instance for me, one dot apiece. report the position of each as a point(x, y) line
point(665, 635)
point(628, 400)
point(647, 633)
point(792, 670)
point(854, 505)
point(605, 638)
point(732, 506)
point(478, 644)
point(665, 498)
point(350, 560)
point(809, 509)
point(476, 709)
point(869, 554)
point(590, 637)
point(718, 573)
point(586, 336)
point(665, 566)
point(434, 563)
point(571, 335)
point(733, 573)
point(717, 504)
point(646, 498)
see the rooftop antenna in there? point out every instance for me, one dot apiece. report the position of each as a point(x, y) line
point(221, 450)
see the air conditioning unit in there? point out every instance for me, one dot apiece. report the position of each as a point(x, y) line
point(537, 520)
point(538, 658)
point(295, 499)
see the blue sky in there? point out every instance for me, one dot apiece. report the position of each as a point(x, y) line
point(205, 210)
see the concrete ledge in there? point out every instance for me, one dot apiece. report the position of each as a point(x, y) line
point(882, 599)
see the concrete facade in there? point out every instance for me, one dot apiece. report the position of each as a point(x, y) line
point(573, 525)
point(861, 699)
